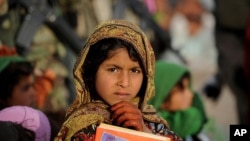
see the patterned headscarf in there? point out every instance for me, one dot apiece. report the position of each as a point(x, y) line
point(82, 105)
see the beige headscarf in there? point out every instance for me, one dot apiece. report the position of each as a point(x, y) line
point(80, 113)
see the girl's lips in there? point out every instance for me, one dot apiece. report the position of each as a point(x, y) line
point(122, 95)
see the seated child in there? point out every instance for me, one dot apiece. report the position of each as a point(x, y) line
point(10, 131)
point(20, 84)
point(29, 118)
point(16, 82)
point(176, 101)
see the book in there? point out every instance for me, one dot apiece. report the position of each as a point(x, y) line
point(107, 132)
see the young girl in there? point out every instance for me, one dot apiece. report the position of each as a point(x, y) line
point(177, 102)
point(16, 82)
point(114, 78)
point(20, 84)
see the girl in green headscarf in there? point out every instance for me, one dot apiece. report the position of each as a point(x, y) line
point(176, 101)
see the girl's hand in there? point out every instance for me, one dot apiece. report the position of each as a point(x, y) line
point(128, 115)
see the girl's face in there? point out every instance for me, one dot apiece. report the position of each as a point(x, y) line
point(180, 98)
point(118, 78)
point(24, 92)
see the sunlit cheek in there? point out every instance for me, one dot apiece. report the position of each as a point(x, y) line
point(107, 80)
point(188, 95)
point(104, 83)
point(178, 101)
point(137, 83)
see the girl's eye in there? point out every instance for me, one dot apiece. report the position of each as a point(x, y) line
point(113, 69)
point(136, 70)
point(26, 87)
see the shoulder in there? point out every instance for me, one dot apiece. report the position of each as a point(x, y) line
point(84, 119)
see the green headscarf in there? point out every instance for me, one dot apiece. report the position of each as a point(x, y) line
point(186, 122)
point(6, 60)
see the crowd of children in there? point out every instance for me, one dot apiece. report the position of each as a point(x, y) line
point(117, 81)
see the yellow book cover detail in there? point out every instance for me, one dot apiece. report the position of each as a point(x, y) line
point(106, 132)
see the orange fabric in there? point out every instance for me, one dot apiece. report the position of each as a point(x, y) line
point(43, 86)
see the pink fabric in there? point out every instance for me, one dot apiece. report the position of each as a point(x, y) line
point(30, 118)
point(150, 5)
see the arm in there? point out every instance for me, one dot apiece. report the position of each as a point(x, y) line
point(128, 115)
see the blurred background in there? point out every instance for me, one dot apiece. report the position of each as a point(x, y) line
point(210, 37)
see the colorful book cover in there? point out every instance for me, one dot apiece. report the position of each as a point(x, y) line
point(106, 132)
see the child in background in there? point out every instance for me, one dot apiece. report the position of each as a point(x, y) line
point(177, 102)
point(192, 36)
point(20, 84)
point(10, 131)
point(16, 82)
point(31, 119)
point(114, 79)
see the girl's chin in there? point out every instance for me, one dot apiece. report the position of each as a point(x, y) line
point(114, 102)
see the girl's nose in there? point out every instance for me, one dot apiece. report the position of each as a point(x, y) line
point(124, 80)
